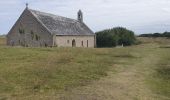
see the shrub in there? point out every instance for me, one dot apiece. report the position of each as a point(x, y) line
point(115, 36)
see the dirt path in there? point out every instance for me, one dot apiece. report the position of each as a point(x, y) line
point(128, 83)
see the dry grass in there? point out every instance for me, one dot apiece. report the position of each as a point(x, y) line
point(2, 41)
point(85, 74)
point(159, 40)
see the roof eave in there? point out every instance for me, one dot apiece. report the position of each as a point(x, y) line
point(74, 35)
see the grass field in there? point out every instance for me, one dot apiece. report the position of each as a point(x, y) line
point(2, 41)
point(140, 72)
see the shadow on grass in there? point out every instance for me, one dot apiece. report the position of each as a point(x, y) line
point(160, 81)
point(125, 56)
point(165, 47)
point(164, 72)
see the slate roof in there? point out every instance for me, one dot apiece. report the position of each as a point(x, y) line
point(61, 25)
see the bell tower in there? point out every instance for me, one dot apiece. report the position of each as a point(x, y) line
point(80, 16)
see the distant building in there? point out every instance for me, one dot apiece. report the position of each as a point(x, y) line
point(39, 29)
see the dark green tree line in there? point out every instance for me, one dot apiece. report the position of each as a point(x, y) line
point(165, 34)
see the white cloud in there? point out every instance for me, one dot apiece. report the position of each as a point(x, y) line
point(138, 15)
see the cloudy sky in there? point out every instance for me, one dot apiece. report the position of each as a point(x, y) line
point(141, 16)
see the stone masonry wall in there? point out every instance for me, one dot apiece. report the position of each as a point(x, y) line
point(80, 41)
point(27, 31)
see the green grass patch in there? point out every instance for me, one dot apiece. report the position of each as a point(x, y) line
point(160, 79)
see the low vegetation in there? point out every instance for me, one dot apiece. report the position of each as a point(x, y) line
point(139, 72)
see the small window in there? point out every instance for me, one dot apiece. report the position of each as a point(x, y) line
point(32, 34)
point(46, 44)
point(82, 44)
point(21, 31)
point(19, 42)
point(68, 41)
point(37, 37)
point(87, 43)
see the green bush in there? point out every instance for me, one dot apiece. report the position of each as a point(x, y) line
point(115, 36)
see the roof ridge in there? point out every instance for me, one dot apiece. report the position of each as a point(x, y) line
point(46, 13)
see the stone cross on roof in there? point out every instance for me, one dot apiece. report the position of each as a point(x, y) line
point(26, 5)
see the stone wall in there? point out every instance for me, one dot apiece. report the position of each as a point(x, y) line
point(28, 31)
point(80, 41)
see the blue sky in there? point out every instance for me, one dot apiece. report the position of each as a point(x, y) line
point(141, 16)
